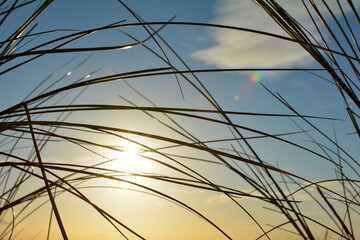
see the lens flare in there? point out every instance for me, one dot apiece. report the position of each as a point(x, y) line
point(248, 87)
point(258, 76)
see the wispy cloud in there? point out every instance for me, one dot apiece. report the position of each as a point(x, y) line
point(233, 49)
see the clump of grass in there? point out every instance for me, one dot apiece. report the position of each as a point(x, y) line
point(52, 119)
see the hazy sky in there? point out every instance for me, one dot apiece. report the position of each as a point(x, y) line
point(200, 48)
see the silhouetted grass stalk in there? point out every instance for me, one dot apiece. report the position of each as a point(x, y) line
point(27, 122)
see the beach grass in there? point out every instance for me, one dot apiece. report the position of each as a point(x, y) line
point(182, 140)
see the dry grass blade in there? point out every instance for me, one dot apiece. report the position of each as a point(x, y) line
point(66, 138)
point(57, 214)
point(345, 228)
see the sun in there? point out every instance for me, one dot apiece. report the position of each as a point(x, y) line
point(128, 159)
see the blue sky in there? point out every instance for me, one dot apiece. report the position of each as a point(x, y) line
point(200, 48)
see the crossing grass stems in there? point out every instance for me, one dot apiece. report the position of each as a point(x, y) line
point(38, 121)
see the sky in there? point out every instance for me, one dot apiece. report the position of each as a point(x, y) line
point(156, 217)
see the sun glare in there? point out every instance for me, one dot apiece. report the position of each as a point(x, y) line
point(129, 160)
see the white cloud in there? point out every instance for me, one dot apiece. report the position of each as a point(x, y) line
point(234, 49)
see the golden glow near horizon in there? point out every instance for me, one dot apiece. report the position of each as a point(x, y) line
point(146, 143)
